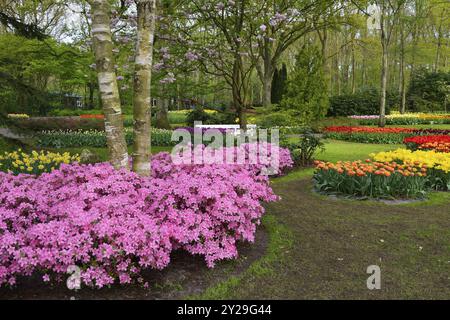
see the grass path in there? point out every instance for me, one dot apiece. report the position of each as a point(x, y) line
point(333, 243)
point(341, 150)
point(320, 248)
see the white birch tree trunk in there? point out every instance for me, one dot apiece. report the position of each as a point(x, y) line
point(146, 15)
point(107, 79)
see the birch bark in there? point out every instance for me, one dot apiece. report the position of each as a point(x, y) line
point(107, 79)
point(146, 15)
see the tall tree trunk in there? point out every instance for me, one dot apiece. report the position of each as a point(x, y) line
point(162, 117)
point(384, 68)
point(267, 74)
point(323, 47)
point(336, 66)
point(109, 92)
point(146, 14)
point(438, 48)
point(402, 69)
point(91, 88)
point(415, 34)
point(353, 69)
point(267, 89)
point(238, 91)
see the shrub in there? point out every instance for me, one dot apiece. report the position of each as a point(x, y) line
point(58, 123)
point(210, 117)
point(306, 92)
point(364, 102)
point(428, 91)
point(224, 117)
point(113, 224)
point(275, 120)
point(279, 80)
point(371, 179)
point(177, 117)
point(197, 114)
point(73, 113)
point(304, 149)
point(18, 162)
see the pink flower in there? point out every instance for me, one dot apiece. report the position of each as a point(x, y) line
point(112, 224)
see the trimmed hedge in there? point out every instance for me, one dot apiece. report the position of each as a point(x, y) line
point(361, 103)
point(58, 123)
point(73, 113)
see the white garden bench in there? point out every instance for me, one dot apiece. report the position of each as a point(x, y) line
point(235, 128)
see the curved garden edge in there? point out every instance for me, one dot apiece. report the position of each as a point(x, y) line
point(434, 197)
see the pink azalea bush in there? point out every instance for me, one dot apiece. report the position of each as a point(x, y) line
point(113, 223)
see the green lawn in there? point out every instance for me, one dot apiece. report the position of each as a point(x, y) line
point(341, 150)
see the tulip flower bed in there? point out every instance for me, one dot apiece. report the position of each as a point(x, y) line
point(384, 180)
point(437, 146)
point(438, 143)
point(438, 164)
point(378, 135)
point(112, 224)
point(405, 119)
